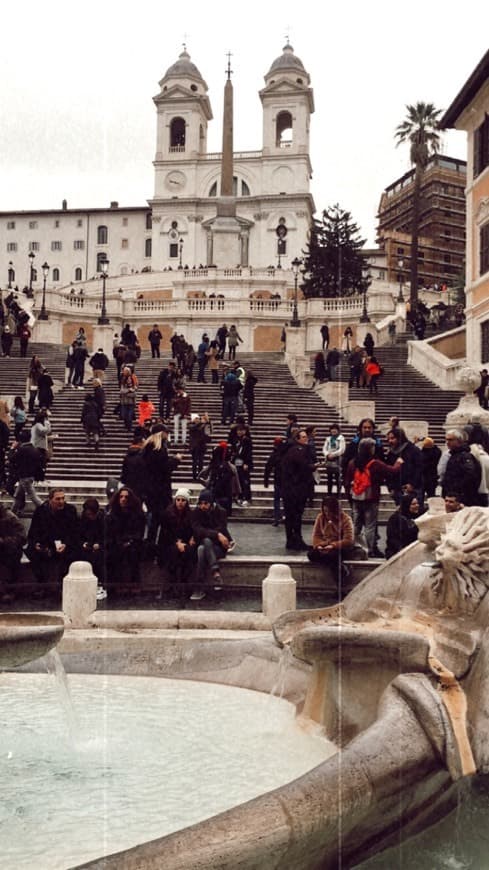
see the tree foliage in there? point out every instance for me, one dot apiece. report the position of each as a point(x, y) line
point(334, 265)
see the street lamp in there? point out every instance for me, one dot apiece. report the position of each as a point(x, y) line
point(279, 255)
point(43, 315)
point(31, 269)
point(104, 268)
point(366, 281)
point(180, 251)
point(296, 264)
point(11, 274)
point(400, 266)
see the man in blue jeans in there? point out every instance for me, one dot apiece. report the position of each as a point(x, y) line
point(213, 539)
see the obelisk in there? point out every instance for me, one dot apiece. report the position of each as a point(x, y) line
point(226, 229)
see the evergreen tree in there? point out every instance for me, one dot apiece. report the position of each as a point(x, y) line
point(334, 264)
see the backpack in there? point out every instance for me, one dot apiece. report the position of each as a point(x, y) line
point(361, 486)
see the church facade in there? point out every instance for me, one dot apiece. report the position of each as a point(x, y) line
point(270, 187)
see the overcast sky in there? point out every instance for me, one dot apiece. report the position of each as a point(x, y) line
point(78, 121)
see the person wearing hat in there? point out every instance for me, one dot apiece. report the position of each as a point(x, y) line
point(177, 551)
point(213, 540)
point(7, 340)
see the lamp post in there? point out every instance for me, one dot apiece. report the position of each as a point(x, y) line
point(366, 281)
point(43, 315)
point(296, 264)
point(180, 251)
point(31, 269)
point(11, 274)
point(104, 268)
point(400, 266)
point(279, 255)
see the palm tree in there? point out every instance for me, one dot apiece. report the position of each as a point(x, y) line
point(420, 129)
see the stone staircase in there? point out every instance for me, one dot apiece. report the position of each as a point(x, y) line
point(402, 391)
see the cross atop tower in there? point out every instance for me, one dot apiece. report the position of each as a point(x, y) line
point(229, 70)
point(184, 43)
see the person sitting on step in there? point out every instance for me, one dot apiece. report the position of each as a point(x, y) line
point(213, 539)
point(332, 537)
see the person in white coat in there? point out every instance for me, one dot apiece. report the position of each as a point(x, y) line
point(333, 449)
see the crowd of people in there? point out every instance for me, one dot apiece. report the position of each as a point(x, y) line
point(143, 520)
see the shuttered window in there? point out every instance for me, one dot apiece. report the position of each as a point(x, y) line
point(484, 249)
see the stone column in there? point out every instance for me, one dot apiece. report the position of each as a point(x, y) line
point(278, 592)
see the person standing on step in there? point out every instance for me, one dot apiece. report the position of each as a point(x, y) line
point(363, 478)
point(391, 329)
point(80, 354)
point(99, 396)
point(12, 540)
point(374, 371)
point(127, 392)
point(202, 357)
point(40, 434)
point(159, 467)
point(242, 459)
point(90, 421)
point(154, 338)
point(430, 457)
point(333, 449)
point(221, 336)
point(230, 390)
point(273, 469)
point(213, 361)
point(234, 339)
point(412, 467)
point(7, 341)
point(18, 415)
point(366, 429)
point(24, 336)
point(25, 467)
point(99, 363)
point(369, 344)
point(297, 473)
point(249, 395)
point(166, 389)
point(35, 371)
point(213, 540)
point(355, 362)
point(332, 363)
point(199, 436)
point(332, 538)
point(181, 407)
point(324, 336)
point(347, 341)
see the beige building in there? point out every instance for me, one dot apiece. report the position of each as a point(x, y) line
point(469, 111)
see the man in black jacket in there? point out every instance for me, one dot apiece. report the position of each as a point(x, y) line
point(463, 471)
point(154, 338)
point(53, 539)
point(213, 539)
point(25, 466)
point(99, 363)
point(296, 484)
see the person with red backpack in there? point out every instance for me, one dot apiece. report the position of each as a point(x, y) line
point(364, 476)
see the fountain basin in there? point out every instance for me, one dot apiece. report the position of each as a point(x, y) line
point(27, 636)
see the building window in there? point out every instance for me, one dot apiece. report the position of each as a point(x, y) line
point(147, 248)
point(11, 225)
point(283, 129)
point(177, 134)
point(78, 274)
point(485, 341)
point(79, 245)
point(149, 221)
point(55, 274)
point(400, 251)
point(11, 246)
point(33, 225)
point(447, 258)
point(79, 222)
point(102, 235)
point(173, 250)
point(481, 147)
point(34, 246)
point(56, 225)
point(101, 257)
point(124, 243)
point(240, 188)
point(56, 246)
point(484, 249)
point(124, 222)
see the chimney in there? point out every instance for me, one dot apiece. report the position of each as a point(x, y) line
point(64, 205)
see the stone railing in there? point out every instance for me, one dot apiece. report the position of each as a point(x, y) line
point(434, 365)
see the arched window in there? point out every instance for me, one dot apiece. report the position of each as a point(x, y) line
point(283, 137)
point(102, 235)
point(149, 221)
point(101, 257)
point(55, 274)
point(240, 188)
point(78, 274)
point(177, 134)
point(147, 248)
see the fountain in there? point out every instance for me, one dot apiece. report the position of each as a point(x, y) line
point(400, 690)
point(27, 636)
